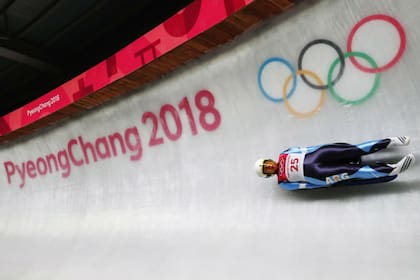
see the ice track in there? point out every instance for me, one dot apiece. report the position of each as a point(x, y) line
point(188, 205)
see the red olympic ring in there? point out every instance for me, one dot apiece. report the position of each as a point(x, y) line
point(403, 42)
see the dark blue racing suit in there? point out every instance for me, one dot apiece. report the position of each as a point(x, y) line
point(332, 164)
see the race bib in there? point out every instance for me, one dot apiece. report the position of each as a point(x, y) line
point(294, 167)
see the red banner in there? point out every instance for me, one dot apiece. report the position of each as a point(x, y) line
point(194, 19)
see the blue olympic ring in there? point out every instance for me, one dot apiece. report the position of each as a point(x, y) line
point(291, 68)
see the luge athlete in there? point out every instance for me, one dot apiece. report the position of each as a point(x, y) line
point(332, 164)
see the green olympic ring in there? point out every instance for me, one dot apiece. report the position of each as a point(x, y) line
point(372, 90)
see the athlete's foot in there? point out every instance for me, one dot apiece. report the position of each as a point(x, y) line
point(402, 165)
point(399, 141)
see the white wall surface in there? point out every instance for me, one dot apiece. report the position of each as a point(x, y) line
point(193, 208)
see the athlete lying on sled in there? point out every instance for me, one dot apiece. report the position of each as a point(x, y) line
point(332, 164)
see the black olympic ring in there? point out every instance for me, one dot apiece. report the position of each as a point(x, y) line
point(340, 55)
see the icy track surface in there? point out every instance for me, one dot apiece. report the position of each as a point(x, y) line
point(185, 203)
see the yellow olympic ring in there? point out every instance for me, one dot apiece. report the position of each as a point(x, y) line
point(286, 101)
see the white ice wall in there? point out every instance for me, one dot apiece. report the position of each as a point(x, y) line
point(193, 208)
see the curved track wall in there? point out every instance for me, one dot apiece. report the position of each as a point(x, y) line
point(160, 185)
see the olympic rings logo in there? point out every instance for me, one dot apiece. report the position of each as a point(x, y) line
point(329, 85)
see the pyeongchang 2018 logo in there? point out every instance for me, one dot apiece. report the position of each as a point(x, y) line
point(187, 117)
point(334, 74)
